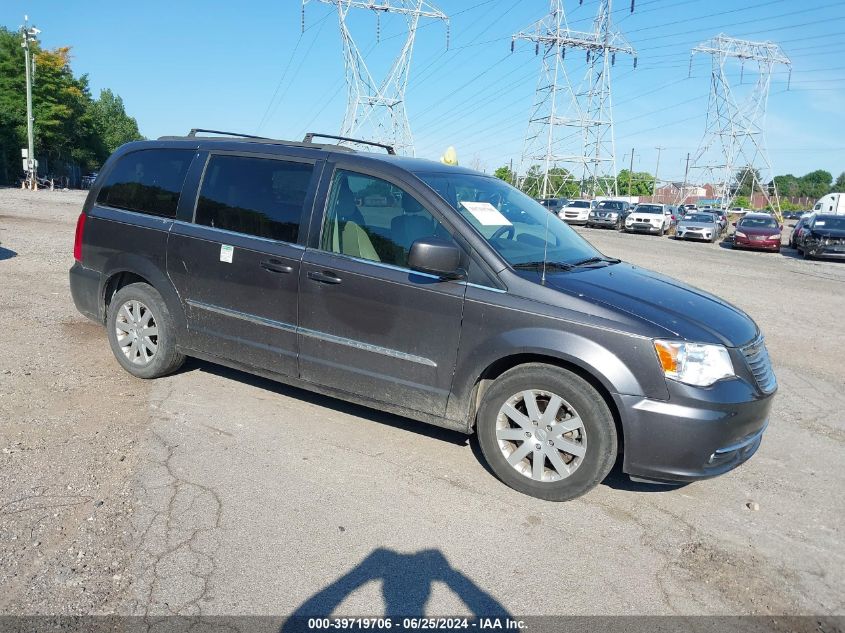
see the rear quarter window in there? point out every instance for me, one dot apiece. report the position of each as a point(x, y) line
point(263, 197)
point(148, 181)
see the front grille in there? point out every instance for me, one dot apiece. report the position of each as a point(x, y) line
point(757, 357)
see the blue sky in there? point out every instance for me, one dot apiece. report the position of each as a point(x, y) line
point(231, 65)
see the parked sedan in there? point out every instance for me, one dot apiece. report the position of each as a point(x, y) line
point(823, 236)
point(698, 226)
point(609, 214)
point(758, 231)
point(796, 230)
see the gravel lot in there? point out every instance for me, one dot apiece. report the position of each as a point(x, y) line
point(215, 492)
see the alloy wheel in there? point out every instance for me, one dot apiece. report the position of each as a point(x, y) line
point(541, 435)
point(137, 332)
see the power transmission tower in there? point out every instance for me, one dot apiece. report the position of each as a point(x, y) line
point(376, 111)
point(570, 130)
point(28, 35)
point(733, 149)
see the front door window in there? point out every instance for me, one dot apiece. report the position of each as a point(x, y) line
point(370, 218)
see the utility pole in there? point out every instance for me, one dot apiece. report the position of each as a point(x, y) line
point(656, 169)
point(28, 35)
point(631, 175)
point(375, 111)
point(734, 136)
point(570, 125)
point(686, 176)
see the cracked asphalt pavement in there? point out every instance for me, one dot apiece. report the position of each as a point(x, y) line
point(215, 492)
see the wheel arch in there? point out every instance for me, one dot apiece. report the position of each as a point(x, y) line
point(512, 361)
point(129, 269)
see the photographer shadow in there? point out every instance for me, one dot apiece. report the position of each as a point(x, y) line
point(406, 586)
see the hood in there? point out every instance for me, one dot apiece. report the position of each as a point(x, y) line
point(758, 230)
point(686, 224)
point(682, 311)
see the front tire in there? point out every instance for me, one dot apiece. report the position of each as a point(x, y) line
point(142, 333)
point(546, 432)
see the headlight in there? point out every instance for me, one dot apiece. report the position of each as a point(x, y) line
point(694, 363)
point(774, 237)
point(740, 234)
point(612, 216)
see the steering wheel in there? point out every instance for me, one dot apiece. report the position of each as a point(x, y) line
point(509, 229)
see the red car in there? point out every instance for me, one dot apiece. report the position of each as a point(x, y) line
point(759, 231)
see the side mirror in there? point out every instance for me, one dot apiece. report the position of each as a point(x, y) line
point(436, 257)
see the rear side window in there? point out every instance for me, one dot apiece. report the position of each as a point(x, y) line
point(148, 181)
point(258, 196)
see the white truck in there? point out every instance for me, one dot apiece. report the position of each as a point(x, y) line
point(832, 203)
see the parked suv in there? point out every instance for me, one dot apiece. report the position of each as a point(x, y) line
point(649, 218)
point(609, 213)
point(430, 291)
point(576, 211)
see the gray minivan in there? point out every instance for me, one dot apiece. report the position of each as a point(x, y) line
point(431, 291)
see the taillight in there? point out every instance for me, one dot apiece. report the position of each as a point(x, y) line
point(77, 240)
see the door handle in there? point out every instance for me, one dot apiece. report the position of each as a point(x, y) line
point(324, 277)
point(276, 266)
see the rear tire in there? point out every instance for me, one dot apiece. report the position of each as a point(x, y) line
point(142, 333)
point(540, 465)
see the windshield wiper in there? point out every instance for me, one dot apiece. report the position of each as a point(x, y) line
point(539, 264)
point(596, 260)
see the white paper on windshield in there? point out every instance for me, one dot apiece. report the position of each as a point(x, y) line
point(486, 213)
point(820, 223)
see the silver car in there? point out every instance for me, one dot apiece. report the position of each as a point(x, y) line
point(698, 226)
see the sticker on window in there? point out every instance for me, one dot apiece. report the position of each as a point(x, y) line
point(819, 223)
point(226, 253)
point(486, 214)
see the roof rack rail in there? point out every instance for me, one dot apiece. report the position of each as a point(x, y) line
point(199, 130)
point(309, 138)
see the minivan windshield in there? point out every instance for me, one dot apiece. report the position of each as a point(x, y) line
point(520, 229)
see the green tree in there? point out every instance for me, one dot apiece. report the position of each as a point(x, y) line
point(747, 181)
point(71, 129)
point(561, 183)
point(788, 186)
point(505, 173)
point(639, 183)
point(111, 123)
point(816, 183)
point(839, 185)
point(742, 201)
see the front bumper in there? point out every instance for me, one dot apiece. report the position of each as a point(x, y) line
point(573, 220)
point(596, 221)
point(697, 434)
point(704, 235)
point(85, 290)
point(763, 245)
point(833, 251)
point(641, 227)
